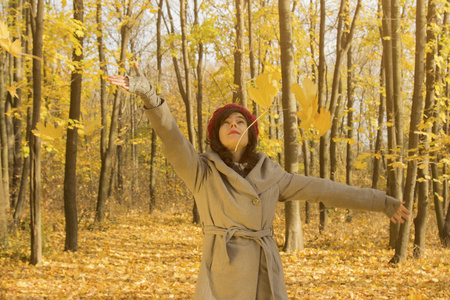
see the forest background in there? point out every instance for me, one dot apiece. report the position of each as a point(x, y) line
point(79, 155)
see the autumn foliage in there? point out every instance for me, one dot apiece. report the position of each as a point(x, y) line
point(135, 255)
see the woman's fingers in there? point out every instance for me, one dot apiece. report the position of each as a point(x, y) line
point(401, 215)
point(121, 81)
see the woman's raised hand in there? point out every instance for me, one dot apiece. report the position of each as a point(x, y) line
point(139, 85)
point(119, 80)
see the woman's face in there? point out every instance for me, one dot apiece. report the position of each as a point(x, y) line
point(231, 130)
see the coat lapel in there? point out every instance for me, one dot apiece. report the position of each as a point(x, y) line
point(265, 174)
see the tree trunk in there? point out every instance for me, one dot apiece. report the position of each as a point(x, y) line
point(294, 233)
point(350, 129)
point(153, 174)
point(103, 93)
point(324, 154)
point(35, 141)
point(119, 187)
point(416, 117)
point(3, 216)
point(307, 166)
point(70, 176)
point(200, 78)
point(239, 93)
point(377, 160)
point(312, 41)
point(187, 99)
point(394, 174)
point(152, 185)
point(21, 194)
point(3, 134)
point(251, 50)
point(17, 121)
point(430, 114)
point(109, 154)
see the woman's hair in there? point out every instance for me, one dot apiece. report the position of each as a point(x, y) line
point(249, 157)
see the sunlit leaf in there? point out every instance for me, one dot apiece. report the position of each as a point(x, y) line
point(13, 90)
point(398, 165)
point(15, 48)
point(363, 156)
point(49, 131)
point(322, 121)
point(4, 33)
point(360, 165)
point(264, 92)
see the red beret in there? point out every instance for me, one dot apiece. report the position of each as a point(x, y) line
point(242, 109)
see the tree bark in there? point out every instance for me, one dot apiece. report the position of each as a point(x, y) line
point(70, 176)
point(152, 185)
point(4, 159)
point(187, 74)
point(324, 154)
point(17, 121)
point(18, 211)
point(430, 113)
point(109, 154)
point(416, 117)
point(35, 141)
point(294, 233)
point(3, 215)
point(103, 93)
point(239, 93)
point(379, 139)
point(394, 174)
point(200, 79)
point(350, 130)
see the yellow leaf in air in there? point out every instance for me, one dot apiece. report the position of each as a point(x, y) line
point(5, 43)
point(264, 92)
point(306, 116)
point(363, 156)
point(398, 165)
point(307, 97)
point(13, 90)
point(50, 132)
point(15, 48)
point(4, 33)
point(322, 121)
point(360, 165)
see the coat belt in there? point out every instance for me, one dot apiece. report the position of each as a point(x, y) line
point(256, 236)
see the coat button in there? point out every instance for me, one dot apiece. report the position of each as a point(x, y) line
point(255, 201)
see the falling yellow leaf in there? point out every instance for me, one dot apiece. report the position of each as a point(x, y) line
point(307, 94)
point(13, 90)
point(4, 34)
point(4, 43)
point(265, 91)
point(322, 121)
point(15, 48)
point(363, 156)
point(360, 165)
point(49, 132)
point(398, 165)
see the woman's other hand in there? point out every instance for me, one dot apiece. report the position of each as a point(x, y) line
point(401, 214)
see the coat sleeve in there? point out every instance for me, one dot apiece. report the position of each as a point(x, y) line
point(334, 194)
point(175, 146)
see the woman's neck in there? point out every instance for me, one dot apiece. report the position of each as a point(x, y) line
point(236, 155)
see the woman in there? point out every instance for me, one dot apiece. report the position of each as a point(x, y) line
point(236, 190)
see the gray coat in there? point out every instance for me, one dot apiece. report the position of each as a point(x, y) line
point(240, 257)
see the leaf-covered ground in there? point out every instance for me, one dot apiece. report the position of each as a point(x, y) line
point(158, 256)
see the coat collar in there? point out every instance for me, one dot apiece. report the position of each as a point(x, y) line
point(265, 174)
